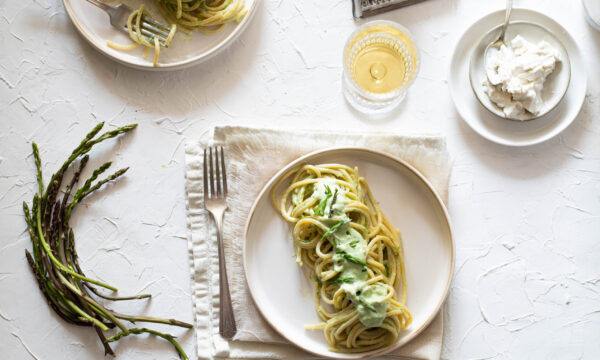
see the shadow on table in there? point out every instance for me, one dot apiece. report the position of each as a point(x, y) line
point(528, 161)
point(370, 119)
point(175, 93)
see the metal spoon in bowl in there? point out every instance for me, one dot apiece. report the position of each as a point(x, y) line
point(495, 46)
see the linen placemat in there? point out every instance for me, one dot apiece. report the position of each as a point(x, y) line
point(252, 157)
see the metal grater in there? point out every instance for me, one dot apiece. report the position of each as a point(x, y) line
point(365, 8)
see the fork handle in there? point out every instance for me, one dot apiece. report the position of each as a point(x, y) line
point(227, 327)
point(100, 4)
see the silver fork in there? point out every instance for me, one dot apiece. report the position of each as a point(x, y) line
point(214, 203)
point(120, 13)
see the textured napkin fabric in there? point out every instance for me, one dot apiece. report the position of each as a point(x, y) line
point(253, 156)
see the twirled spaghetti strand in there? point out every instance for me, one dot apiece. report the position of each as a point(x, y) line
point(135, 33)
point(208, 16)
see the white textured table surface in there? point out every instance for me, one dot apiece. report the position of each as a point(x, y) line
point(527, 220)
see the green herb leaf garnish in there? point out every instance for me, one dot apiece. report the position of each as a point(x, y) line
point(340, 280)
point(353, 242)
point(334, 228)
point(320, 209)
point(333, 202)
point(351, 258)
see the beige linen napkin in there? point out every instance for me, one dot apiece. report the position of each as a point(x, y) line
point(253, 156)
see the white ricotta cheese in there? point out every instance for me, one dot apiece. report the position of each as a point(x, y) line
point(521, 71)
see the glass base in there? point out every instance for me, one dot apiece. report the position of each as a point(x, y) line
point(368, 106)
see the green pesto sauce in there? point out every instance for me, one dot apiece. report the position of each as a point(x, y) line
point(350, 253)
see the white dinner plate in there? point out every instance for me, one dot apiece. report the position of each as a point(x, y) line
point(185, 50)
point(498, 129)
point(283, 294)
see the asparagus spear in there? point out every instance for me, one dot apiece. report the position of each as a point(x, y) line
point(54, 261)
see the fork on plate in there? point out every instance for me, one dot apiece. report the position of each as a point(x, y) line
point(119, 14)
point(215, 191)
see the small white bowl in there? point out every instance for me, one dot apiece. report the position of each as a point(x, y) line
point(555, 86)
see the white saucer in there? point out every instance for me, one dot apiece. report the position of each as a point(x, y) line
point(495, 128)
point(185, 50)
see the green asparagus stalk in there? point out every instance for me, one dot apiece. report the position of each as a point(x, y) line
point(54, 261)
point(169, 338)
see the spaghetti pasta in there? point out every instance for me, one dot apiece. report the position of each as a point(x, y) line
point(135, 33)
point(351, 250)
point(207, 16)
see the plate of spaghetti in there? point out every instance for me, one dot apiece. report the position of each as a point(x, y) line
point(200, 29)
point(348, 253)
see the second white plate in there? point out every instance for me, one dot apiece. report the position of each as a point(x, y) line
point(507, 132)
point(286, 298)
point(185, 50)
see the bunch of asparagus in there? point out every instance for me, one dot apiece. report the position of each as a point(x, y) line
point(54, 262)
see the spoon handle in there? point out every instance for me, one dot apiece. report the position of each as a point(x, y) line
point(506, 18)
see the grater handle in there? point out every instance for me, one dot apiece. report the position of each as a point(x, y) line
point(364, 8)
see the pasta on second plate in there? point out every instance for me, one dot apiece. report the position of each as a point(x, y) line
point(207, 16)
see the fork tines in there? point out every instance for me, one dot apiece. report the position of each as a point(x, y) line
point(215, 176)
point(152, 28)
